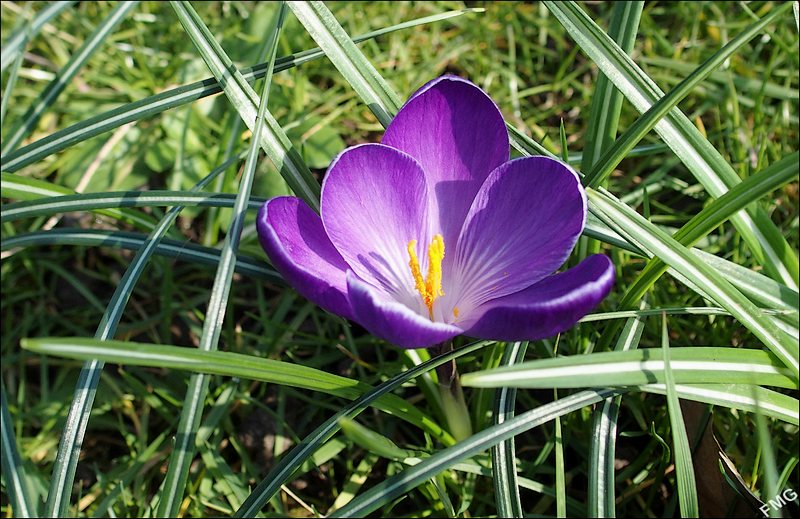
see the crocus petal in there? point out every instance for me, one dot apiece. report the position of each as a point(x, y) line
point(521, 227)
point(549, 307)
point(396, 323)
point(456, 132)
point(295, 241)
point(374, 202)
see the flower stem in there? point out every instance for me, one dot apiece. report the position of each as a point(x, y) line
point(455, 408)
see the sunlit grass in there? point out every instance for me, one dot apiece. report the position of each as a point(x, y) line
point(64, 268)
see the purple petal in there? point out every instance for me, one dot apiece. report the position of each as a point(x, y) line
point(549, 307)
point(522, 226)
point(457, 134)
point(295, 241)
point(392, 321)
point(374, 202)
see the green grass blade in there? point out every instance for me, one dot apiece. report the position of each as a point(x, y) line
point(289, 463)
point(606, 99)
point(504, 457)
point(231, 365)
point(120, 199)
point(247, 265)
point(15, 44)
point(658, 243)
point(642, 126)
point(65, 75)
point(690, 365)
point(758, 287)
point(770, 468)
point(601, 495)
point(24, 188)
point(685, 140)
point(15, 478)
point(184, 447)
point(351, 62)
point(89, 377)
point(244, 99)
point(12, 76)
point(400, 484)
point(684, 468)
point(153, 105)
point(714, 214)
point(737, 396)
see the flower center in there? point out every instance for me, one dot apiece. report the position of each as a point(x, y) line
point(431, 286)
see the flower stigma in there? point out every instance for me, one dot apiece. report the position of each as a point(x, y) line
point(431, 286)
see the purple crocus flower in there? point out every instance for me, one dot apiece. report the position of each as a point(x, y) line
point(435, 232)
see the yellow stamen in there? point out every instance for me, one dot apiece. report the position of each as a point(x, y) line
point(455, 312)
point(431, 286)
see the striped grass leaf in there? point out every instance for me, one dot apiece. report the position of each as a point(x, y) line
point(561, 480)
point(601, 495)
point(684, 468)
point(770, 470)
point(184, 448)
point(758, 287)
point(234, 365)
point(247, 265)
point(65, 75)
point(669, 310)
point(293, 460)
point(156, 104)
point(26, 188)
point(690, 365)
point(348, 59)
point(400, 484)
point(685, 140)
point(658, 243)
point(746, 397)
point(244, 99)
point(717, 212)
point(627, 141)
point(504, 457)
point(120, 199)
point(13, 74)
point(15, 478)
point(607, 99)
point(89, 377)
point(14, 45)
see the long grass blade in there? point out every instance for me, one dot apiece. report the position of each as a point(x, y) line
point(193, 404)
point(24, 188)
point(351, 62)
point(602, 501)
point(65, 75)
point(246, 265)
point(695, 364)
point(400, 484)
point(714, 214)
point(745, 397)
point(89, 377)
point(685, 140)
point(684, 468)
point(156, 104)
point(658, 243)
point(642, 126)
point(119, 199)
point(15, 43)
point(14, 474)
point(229, 364)
point(606, 98)
point(504, 457)
point(292, 461)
